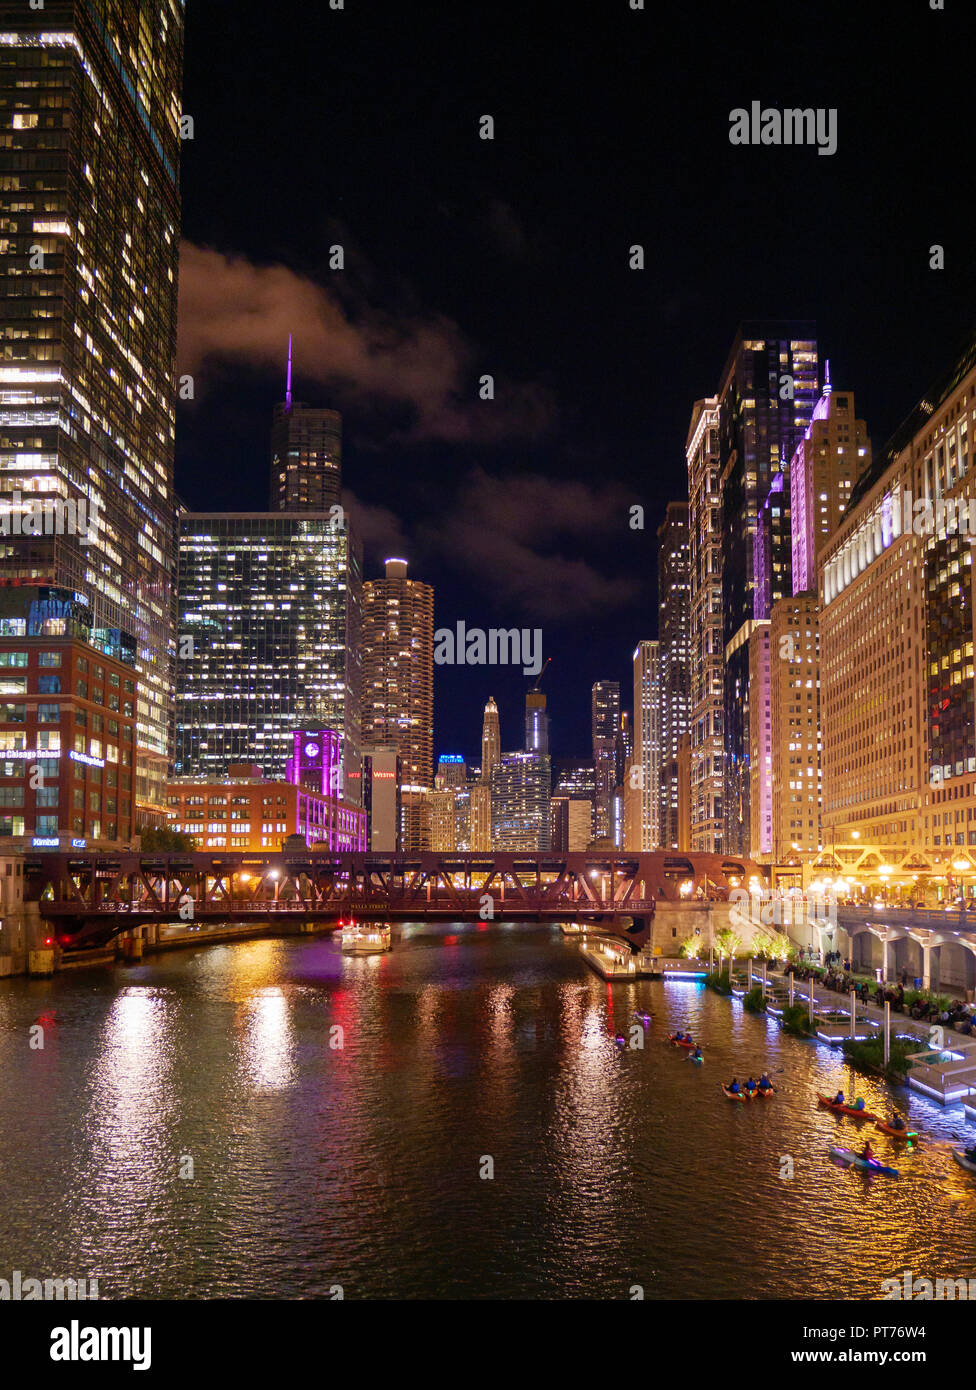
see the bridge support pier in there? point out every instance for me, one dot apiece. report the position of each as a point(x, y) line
point(42, 962)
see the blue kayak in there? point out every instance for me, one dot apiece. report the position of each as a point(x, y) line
point(870, 1165)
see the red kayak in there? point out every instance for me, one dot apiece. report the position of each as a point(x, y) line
point(676, 1042)
point(733, 1095)
point(845, 1109)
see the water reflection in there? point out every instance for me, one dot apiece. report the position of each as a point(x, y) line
point(362, 1164)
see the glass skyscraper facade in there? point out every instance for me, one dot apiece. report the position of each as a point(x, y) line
point(605, 726)
point(674, 623)
point(766, 398)
point(270, 615)
point(520, 791)
point(89, 236)
point(306, 458)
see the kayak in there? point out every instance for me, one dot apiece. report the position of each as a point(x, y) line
point(767, 1091)
point(643, 1018)
point(896, 1133)
point(675, 1043)
point(870, 1165)
point(845, 1109)
point(733, 1095)
point(963, 1161)
point(749, 1092)
point(697, 1060)
point(621, 1041)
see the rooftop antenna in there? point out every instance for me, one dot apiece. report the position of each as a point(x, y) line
point(826, 389)
point(288, 378)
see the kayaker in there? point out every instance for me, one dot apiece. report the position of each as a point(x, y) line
point(859, 1103)
point(897, 1122)
point(839, 1099)
point(867, 1153)
point(733, 1086)
point(751, 1084)
point(696, 1056)
point(764, 1083)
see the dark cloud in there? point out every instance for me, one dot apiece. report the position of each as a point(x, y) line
point(232, 309)
point(520, 536)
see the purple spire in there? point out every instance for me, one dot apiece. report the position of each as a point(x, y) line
point(288, 379)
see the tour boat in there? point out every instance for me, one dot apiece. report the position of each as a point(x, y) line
point(366, 938)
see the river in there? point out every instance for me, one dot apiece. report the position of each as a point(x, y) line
point(271, 1119)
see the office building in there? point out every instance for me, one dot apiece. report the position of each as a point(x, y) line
point(674, 647)
point(643, 786)
point(491, 740)
point(89, 244)
point(451, 771)
point(706, 715)
point(766, 398)
point(248, 811)
point(398, 670)
point(896, 644)
point(306, 455)
point(832, 454)
point(479, 816)
point(605, 727)
point(382, 775)
point(67, 723)
point(794, 784)
point(536, 723)
point(443, 830)
point(269, 621)
point(520, 792)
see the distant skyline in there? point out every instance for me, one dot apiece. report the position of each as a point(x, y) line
point(510, 256)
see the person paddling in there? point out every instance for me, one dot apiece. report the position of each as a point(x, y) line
point(764, 1083)
point(733, 1087)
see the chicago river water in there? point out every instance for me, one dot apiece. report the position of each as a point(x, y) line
point(192, 1128)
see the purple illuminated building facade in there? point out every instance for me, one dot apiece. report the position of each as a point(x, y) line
point(322, 815)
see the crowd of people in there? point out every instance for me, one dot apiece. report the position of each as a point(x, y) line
point(838, 977)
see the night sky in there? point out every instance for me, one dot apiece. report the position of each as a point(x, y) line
point(359, 127)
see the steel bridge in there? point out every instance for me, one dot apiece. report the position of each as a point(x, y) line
point(88, 899)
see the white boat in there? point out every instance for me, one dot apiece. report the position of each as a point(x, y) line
point(365, 938)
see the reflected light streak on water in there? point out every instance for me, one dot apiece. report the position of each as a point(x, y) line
point(360, 1165)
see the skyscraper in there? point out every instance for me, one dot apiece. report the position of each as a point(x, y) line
point(766, 397)
point(89, 236)
point(520, 813)
point(398, 669)
point(491, 740)
point(643, 791)
point(536, 723)
point(706, 649)
point(269, 624)
point(306, 455)
point(832, 454)
point(673, 633)
point(605, 726)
